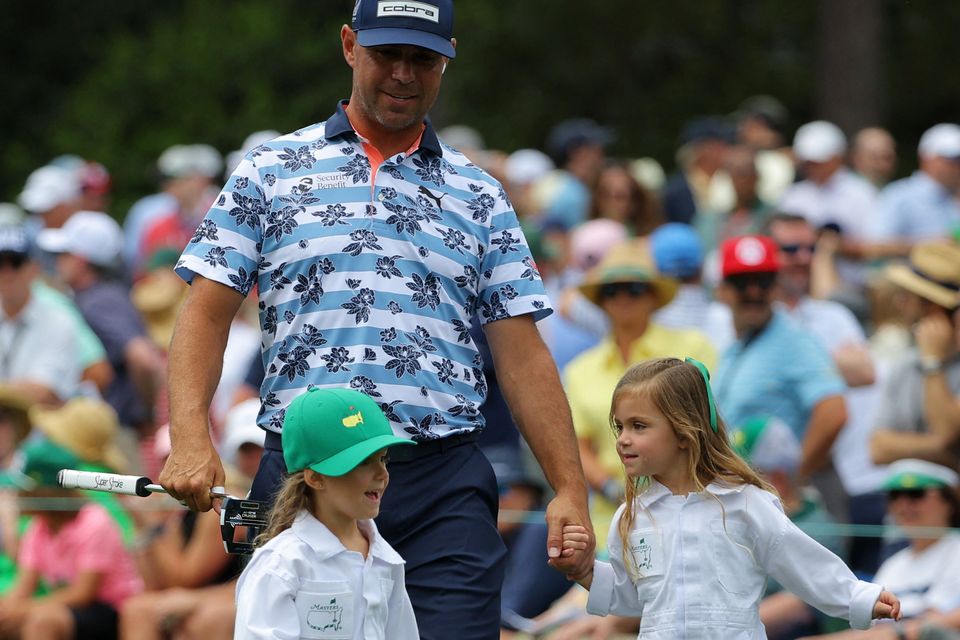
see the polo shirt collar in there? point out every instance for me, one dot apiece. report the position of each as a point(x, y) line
point(316, 535)
point(338, 125)
point(656, 491)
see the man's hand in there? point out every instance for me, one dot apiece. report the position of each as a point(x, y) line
point(574, 562)
point(190, 472)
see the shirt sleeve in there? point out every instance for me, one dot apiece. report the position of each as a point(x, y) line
point(266, 608)
point(510, 283)
point(226, 245)
point(612, 591)
point(807, 569)
point(400, 619)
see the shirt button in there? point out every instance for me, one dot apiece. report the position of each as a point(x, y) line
point(381, 197)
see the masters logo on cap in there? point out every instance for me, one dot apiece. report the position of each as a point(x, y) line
point(333, 430)
point(420, 23)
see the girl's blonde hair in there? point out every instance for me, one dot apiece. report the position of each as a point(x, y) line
point(678, 391)
point(293, 497)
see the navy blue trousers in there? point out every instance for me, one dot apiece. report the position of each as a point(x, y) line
point(440, 513)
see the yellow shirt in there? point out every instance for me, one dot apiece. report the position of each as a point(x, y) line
point(589, 381)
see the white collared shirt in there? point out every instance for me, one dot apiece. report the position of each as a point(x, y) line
point(305, 584)
point(704, 560)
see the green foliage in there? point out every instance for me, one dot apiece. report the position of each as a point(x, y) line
point(120, 82)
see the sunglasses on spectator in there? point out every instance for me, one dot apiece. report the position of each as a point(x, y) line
point(910, 494)
point(793, 249)
point(633, 289)
point(14, 260)
point(743, 281)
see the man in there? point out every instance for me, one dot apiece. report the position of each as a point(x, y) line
point(923, 206)
point(701, 184)
point(88, 250)
point(774, 368)
point(166, 220)
point(874, 155)
point(919, 412)
point(831, 195)
point(836, 328)
point(578, 147)
point(373, 246)
point(38, 345)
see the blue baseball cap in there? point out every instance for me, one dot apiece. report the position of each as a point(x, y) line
point(677, 250)
point(421, 23)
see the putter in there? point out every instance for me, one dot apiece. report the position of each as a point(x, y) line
point(234, 512)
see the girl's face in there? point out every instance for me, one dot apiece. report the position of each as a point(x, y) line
point(648, 445)
point(355, 495)
point(919, 508)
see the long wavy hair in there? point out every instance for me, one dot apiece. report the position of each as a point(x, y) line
point(678, 391)
point(293, 497)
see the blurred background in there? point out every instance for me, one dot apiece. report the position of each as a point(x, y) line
point(121, 82)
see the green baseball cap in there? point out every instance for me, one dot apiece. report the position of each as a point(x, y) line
point(910, 473)
point(36, 464)
point(333, 430)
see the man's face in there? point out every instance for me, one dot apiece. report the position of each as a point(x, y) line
point(749, 296)
point(394, 86)
point(16, 274)
point(797, 242)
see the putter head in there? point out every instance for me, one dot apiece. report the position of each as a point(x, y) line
point(237, 512)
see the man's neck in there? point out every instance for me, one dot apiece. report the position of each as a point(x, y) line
point(387, 142)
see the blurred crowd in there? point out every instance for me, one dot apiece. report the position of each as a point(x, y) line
point(822, 293)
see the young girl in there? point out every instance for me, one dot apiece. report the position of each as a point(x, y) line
point(700, 531)
point(323, 570)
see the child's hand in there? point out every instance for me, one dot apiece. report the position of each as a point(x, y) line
point(575, 539)
point(887, 606)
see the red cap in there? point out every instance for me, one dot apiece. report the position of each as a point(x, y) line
point(749, 254)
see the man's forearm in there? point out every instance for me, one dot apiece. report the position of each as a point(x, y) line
point(195, 363)
point(941, 409)
point(826, 422)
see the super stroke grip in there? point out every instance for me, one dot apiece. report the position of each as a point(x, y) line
point(99, 481)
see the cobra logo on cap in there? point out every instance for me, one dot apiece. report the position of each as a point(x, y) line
point(408, 9)
point(750, 252)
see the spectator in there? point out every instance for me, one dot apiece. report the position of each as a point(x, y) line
point(749, 211)
point(88, 257)
point(77, 553)
point(830, 194)
point(523, 169)
point(168, 219)
point(628, 288)
point(242, 444)
point(835, 327)
point(874, 155)
point(37, 339)
point(919, 415)
point(619, 197)
point(922, 498)
point(761, 122)
point(15, 423)
point(923, 206)
point(678, 253)
point(700, 184)
point(89, 429)
point(774, 368)
point(577, 147)
point(53, 193)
